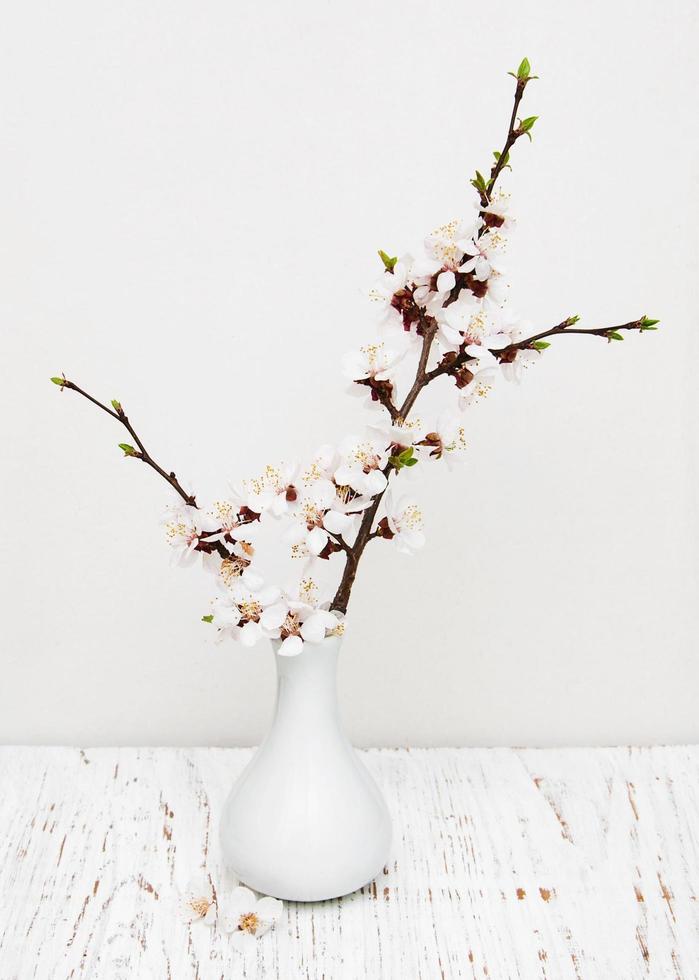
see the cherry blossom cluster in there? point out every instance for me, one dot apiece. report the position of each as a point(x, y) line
point(454, 291)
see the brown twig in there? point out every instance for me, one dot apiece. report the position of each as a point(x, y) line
point(566, 328)
point(513, 134)
point(142, 453)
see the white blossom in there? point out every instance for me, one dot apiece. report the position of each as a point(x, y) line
point(405, 523)
point(499, 207)
point(446, 441)
point(361, 464)
point(513, 370)
point(251, 603)
point(307, 529)
point(446, 245)
point(385, 288)
point(247, 918)
point(483, 253)
point(484, 370)
point(374, 361)
point(184, 527)
point(196, 901)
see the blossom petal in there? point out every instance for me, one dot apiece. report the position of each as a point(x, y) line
point(291, 646)
point(336, 522)
point(273, 616)
point(250, 633)
point(446, 282)
point(268, 596)
point(313, 629)
point(269, 909)
point(375, 482)
point(316, 540)
point(253, 580)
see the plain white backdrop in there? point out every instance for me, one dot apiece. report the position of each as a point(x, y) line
point(192, 198)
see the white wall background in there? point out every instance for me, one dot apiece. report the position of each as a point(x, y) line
point(192, 196)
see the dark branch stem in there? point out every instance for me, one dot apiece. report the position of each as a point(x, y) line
point(565, 328)
point(364, 534)
point(513, 135)
point(142, 453)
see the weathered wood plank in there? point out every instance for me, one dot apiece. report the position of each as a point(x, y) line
point(578, 863)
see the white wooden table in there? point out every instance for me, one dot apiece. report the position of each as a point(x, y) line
point(576, 863)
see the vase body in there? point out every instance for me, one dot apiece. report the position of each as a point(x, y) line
point(305, 821)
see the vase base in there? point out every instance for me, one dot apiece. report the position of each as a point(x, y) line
point(300, 894)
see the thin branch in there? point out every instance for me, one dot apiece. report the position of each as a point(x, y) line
point(142, 453)
point(382, 392)
point(513, 135)
point(566, 328)
point(421, 373)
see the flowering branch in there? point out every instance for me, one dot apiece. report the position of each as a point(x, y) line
point(364, 535)
point(449, 301)
point(452, 365)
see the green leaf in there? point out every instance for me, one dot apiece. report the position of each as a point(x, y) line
point(58, 381)
point(540, 345)
point(406, 454)
point(388, 261)
point(527, 123)
point(395, 461)
point(128, 450)
point(524, 68)
point(648, 324)
point(207, 619)
point(479, 181)
point(410, 462)
point(613, 335)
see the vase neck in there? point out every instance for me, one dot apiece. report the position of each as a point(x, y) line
point(307, 685)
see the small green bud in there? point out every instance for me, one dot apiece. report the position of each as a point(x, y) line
point(648, 324)
point(395, 462)
point(207, 619)
point(572, 320)
point(613, 335)
point(116, 405)
point(540, 345)
point(526, 124)
point(127, 449)
point(388, 261)
point(524, 68)
point(59, 381)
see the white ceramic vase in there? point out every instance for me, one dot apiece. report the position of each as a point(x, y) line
point(305, 821)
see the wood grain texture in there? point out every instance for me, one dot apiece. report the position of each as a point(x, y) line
point(576, 863)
